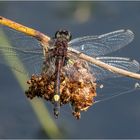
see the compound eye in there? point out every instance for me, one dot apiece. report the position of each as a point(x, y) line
point(57, 34)
point(69, 36)
point(66, 32)
point(63, 33)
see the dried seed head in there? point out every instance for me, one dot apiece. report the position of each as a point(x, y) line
point(77, 87)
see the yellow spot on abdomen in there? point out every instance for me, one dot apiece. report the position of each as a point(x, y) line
point(56, 98)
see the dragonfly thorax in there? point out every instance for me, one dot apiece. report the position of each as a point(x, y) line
point(60, 52)
point(60, 47)
point(59, 44)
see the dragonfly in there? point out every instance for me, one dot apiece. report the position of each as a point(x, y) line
point(57, 72)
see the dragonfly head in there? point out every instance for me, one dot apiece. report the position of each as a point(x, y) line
point(63, 34)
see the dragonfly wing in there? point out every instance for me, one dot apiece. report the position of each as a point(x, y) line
point(102, 44)
point(115, 87)
point(20, 52)
point(112, 84)
point(119, 62)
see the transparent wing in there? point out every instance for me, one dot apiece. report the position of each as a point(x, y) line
point(17, 49)
point(102, 44)
point(119, 62)
point(115, 87)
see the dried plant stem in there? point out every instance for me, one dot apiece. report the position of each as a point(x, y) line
point(109, 67)
point(21, 28)
point(44, 39)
